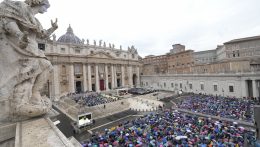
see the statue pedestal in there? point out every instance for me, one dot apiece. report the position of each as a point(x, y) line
point(40, 132)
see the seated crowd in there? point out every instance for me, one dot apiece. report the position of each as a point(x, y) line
point(140, 91)
point(226, 107)
point(92, 98)
point(171, 128)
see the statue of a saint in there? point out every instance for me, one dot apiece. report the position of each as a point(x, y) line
point(104, 45)
point(95, 43)
point(24, 68)
point(100, 43)
point(53, 37)
point(87, 42)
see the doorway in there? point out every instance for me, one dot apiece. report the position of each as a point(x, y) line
point(101, 85)
point(78, 86)
point(134, 79)
point(250, 88)
point(118, 81)
point(93, 87)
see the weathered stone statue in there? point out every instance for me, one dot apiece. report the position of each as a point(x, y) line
point(100, 42)
point(104, 45)
point(24, 69)
point(53, 37)
point(87, 42)
point(95, 43)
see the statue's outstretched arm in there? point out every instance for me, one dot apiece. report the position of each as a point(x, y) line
point(12, 29)
point(48, 32)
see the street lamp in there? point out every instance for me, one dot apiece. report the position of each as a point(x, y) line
point(223, 91)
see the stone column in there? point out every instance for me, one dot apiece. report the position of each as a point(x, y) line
point(106, 78)
point(56, 82)
point(112, 76)
point(130, 76)
point(84, 77)
point(71, 78)
point(123, 75)
point(89, 78)
point(244, 88)
point(115, 76)
point(97, 79)
point(138, 76)
point(254, 88)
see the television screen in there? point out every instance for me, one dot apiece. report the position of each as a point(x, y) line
point(84, 119)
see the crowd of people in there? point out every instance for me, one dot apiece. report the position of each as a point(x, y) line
point(92, 98)
point(171, 128)
point(226, 107)
point(140, 91)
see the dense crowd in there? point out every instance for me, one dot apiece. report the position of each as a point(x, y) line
point(92, 98)
point(171, 128)
point(140, 91)
point(232, 108)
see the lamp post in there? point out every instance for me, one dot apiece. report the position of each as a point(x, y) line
point(223, 91)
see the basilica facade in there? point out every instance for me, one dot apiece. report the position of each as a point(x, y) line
point(80, 65)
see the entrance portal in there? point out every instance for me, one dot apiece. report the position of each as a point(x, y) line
point(134, 80)
point(93, 87)
point(118, 81)
point(101, 85)
point(78, 87)
point(249, 88)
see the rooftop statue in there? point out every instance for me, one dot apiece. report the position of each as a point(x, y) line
point(24, 68)
point(100, 42)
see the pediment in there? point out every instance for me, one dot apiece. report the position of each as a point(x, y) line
point(100, 54)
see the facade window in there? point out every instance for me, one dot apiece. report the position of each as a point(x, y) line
point(158, 84)
point(190, 85)
point(92, 69)
point(77, 68)
point(77, 51)
point(231, 88)
point(215, 87)
point(62, 50)
point(172, 84)
point(91, 52)
point(142, 84)
point(201, 86)
point(41, 46)
point(125, 56)
point(164, 84)
point(238, 53)
point(180, 85)
point(234, 54)
point(133, 56)
point(63, 69)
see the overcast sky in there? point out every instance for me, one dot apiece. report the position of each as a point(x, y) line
point(152, 26)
